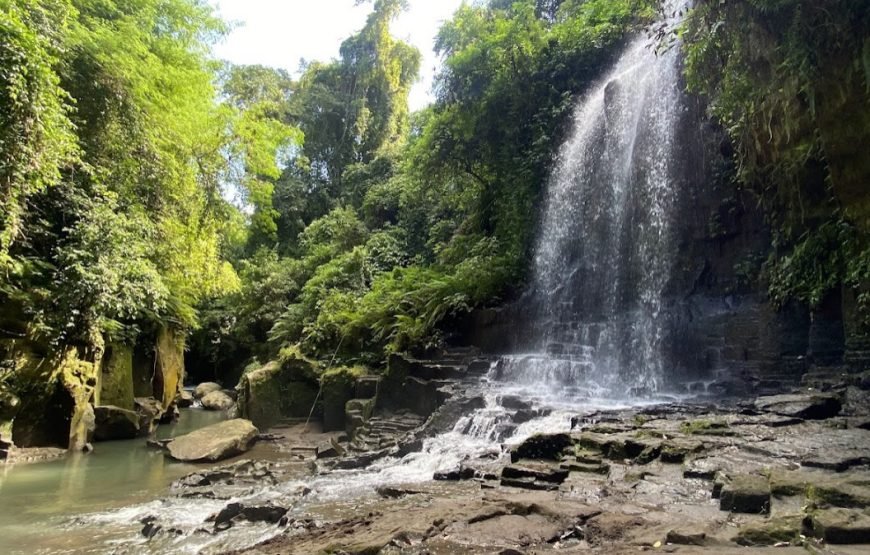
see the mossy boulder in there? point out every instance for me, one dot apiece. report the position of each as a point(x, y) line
point(279, 389)
point(56, 395)
point(338, 387)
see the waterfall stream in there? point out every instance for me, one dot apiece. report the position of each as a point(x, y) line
point(606, 248)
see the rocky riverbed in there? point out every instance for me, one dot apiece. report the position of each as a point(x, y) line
point(489, 472)
point(490, 468)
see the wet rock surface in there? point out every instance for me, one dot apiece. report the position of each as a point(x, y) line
point(678, 478)
point(115, 423)
point(217, 400)
point(214, 443)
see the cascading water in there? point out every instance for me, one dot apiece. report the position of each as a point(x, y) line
point(606, 247)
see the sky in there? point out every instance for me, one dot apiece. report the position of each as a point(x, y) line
point(280, 33)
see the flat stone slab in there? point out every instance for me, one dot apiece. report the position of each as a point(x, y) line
point(770, 532)
point(809, 406)
point(746, 493)
point(840, 526)
point(214, 443)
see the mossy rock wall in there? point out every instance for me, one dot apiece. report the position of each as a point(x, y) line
point(169, 366)
point(56, 402)
point(117, 377)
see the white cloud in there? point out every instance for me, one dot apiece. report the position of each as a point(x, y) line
point(279, 33)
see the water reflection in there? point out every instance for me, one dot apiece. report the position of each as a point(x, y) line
point(35, 499)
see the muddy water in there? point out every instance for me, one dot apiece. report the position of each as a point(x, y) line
point(39, 502)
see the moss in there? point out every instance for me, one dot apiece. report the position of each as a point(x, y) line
point(269, 393)
point(169, 375)
point(297, 365)
point(771, 531)
point(117, 377)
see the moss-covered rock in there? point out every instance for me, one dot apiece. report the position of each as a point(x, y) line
point(770, 532)
point(338, 387)
point(278, 390)
point(840, 526)
point(116, 387)
point(169, 366)
point(746, 493)
point(113, 423)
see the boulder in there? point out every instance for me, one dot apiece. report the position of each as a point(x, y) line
point(205, 388)
point(746, 493)
point(214, 443)
point(184, 399)
point(809, 406)
point(114, 423)
point(278, 390)
point(217, 400)
point(150, 410)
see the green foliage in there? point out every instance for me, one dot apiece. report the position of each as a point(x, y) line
point(790, 82)
point(400, 222)
point(114, 150)
point(36, 136)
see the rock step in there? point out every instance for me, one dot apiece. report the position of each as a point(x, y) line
point(529, 483)
point(840, 526)
point(602, 468)
point(537, 472)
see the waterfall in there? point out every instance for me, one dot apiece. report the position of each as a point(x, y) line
point(606, 245)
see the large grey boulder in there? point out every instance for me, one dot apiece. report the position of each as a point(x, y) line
point(115, 423)
point(214, 443)
point(217, 400)
point(809, 406)
point(205, 388)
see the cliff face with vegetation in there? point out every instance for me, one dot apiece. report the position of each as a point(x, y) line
point(364, 229)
